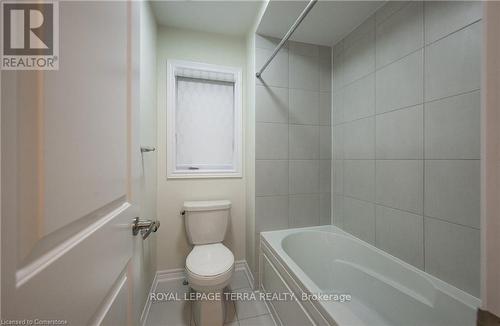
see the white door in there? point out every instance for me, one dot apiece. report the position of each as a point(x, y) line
point(69, 148)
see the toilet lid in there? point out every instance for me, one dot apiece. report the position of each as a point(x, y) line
point(209, 260)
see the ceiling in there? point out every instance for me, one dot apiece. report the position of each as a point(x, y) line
point(326, 24)
point(223, 17)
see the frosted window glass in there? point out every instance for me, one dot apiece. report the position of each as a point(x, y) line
point(204, 119)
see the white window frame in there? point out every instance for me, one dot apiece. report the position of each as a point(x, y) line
point(172, 172)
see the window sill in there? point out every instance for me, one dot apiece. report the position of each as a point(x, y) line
point(204, 175)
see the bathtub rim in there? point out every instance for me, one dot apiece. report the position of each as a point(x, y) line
point(273, 241)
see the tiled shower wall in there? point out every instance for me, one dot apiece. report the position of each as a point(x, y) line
point(293, 136)
point(406, 136)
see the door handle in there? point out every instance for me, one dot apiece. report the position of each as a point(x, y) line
point(145, 227)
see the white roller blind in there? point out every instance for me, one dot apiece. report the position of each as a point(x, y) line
point(204, 121)
point(204, 74)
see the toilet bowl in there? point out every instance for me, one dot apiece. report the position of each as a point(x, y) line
point(210, 264)
point(209, 267)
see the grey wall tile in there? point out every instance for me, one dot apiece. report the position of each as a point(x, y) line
point(325, 142)
point(276, 73)
point(304, 107)
point(359, 219)
point(367, 27)
point(325, 52)
point(400, 84)
point(325, 209)
point(338, 176)
point(271, 177)
point(267, 42)
point(452, 253)
point(453, 64)
point(306, 49)
point(445, 17)
point(293, 131)
point(325, 175)
point(401, 234)
point(325, 109)
point(389, 8)
point(338, 70)
point(359, 98)
point(359, 142)
point(452, 127)
point(359, 179)
point(304, 142)
point(271, 141)
point(338, 210)
point(271, 104)
point(392, 40)
point(304, 72)
point(338, 142)
point(399, 184)
point(401, 34)
point(452, 191)
point(304, 177)
point(271, 213)
point(304, 210)
point(359, 58)
point(399, 134)
point(325, 74)
point(338, 107)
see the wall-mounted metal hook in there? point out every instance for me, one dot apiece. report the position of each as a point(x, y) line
point(147, 149)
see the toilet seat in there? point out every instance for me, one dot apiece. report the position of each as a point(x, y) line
point(209, 266)
point(209, 260)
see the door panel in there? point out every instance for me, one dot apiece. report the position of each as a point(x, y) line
point(115, 312)
point(68, 173)
point(84, 114)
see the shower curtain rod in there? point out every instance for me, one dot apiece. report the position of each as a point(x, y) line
point(285, 38)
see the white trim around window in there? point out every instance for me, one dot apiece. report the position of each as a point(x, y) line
point(186, 69)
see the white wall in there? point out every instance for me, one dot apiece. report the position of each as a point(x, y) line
point(172, 242)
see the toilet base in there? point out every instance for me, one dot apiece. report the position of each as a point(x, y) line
point(209, 309)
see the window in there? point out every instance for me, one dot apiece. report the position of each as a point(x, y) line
point(204, 120)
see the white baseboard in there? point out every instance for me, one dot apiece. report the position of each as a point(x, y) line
point(170, 274)
point(160, 276)
point(147, 304)
point(180, 273)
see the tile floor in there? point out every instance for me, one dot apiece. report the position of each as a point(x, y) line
point(178, 313)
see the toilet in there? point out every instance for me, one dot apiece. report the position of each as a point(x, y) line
point(210, 265)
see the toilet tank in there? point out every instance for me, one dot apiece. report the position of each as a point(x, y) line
point(206, 221)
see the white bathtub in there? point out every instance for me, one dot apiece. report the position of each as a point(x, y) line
point(384, 289)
